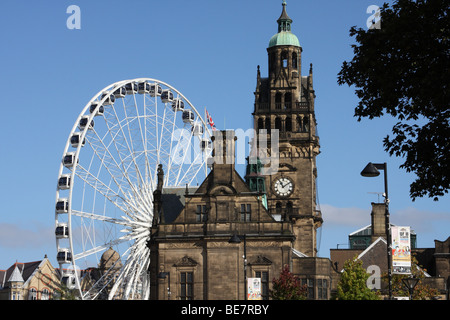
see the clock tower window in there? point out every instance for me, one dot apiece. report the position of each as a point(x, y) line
point(278, 102)
point(288, 124)
point(284, 59)
point(278, 208)
point(287, 100)
point(294, 60)
point(278, 123)
point(289, 208)
point(260, 124)
point(268, 125)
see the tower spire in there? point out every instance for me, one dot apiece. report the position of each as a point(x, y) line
point(284, 22)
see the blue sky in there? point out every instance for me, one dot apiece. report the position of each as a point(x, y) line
point(209, 51)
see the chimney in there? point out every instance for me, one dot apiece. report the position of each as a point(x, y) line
point(223, 156)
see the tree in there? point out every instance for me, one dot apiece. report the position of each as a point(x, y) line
point(288, 287)
point(421, 291)
point(402, 69)
point(352, 284)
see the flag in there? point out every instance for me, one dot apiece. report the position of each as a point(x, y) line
point(210, 121)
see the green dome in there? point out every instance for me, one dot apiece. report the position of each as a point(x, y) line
point(284, 38)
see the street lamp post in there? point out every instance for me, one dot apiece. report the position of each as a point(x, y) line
point(237, 239)
point(371, 170)
point(410, 284)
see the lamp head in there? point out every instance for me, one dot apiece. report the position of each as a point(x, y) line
point(410, 283)
point(234, 239)
point(370, 171)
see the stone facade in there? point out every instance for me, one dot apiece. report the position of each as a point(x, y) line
point(207, 241)
point(196, 243)
point(36, 280)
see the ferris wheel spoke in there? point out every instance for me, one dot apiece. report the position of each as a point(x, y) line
point(151, 135)
point(138, 273)
point(169, 165)
point(100, 248)
point(186, 150)
point(98, 217)
point(102, 283)
point(191, 172)
point(122, 202)
point(107, 161)
point(134, 130)
point(119, 176)
point(124, 151)
point(125, 132)
point(137, 260)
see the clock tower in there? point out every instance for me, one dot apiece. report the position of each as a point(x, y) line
point(284, 101)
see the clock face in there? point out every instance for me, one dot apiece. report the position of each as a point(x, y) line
point(283, 187)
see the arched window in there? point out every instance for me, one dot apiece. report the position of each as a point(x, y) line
point(288, 124)
point(278, 96)
point(33, 294)
point(278, 123)
point(45, 295)
point(299, 124)
point(260, 124)
point(272, 61)
point(268, 125)
point(284, 59)
point(289, 207)
point(261, 187)
point(305, 124)
point(287, 100)
point(294, 60)
point(278, 208)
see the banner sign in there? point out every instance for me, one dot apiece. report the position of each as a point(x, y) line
point(254, 289)
point(401, 250)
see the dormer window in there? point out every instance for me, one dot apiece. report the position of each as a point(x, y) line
point(246, 212)
point(201, 213)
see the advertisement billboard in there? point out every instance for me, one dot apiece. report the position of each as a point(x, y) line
point(401, 250)
point(254, 289)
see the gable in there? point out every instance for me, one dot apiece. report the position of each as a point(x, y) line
point(375, 254)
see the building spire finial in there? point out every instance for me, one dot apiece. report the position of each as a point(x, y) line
point(284, 22)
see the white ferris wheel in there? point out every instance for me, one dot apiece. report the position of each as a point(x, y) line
point(107, 177)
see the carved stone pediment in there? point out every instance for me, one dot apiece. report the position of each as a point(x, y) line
point(261, 261)
point(286, 167)
point(222, 190)
point(186, 262)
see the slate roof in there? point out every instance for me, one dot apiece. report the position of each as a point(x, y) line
point(24, 269)
point(173, 201)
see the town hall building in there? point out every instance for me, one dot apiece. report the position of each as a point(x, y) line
point(208, 240)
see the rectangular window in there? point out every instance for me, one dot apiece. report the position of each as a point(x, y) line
point(201, 213)
point(246, 212)
point(186, 286)
point(264, 275)
point(310, 287)
point(322, 291)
